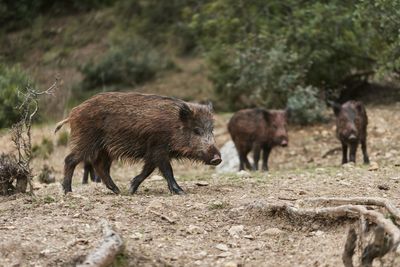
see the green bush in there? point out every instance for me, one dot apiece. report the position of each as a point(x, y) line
point(128, 63)
point(63, 138)
point(254, 76)
point(12, 80)
point(305, 106)
point(44, 149)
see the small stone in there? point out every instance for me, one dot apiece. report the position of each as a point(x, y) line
point(214, 176)
point(236, 230)
point(224, 254)
point(383, 187)
point(273, 231)
point(193, 229)
point(344, 183)
point(319, 233)
point(136, 236)
point(201, 183)
point(231, 264)
point(243, 174)
point(222, 247)
point(201, 255)
point(348, 165)
point(373, 166)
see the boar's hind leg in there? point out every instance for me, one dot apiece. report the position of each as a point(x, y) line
point(256, 156)
point(148, 168)
point(344, 153)
point(102, 168)
point(89, 171)
point(266, 151)
point(364, 151)
point(70, 163)
point(166, 170)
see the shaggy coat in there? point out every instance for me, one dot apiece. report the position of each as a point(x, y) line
point(138, 127)
point(257, 129)
point(351, 128)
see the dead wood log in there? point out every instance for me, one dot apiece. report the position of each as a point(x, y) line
point(387, 235)
point(349, 248)
point(374, 201)
point(106, 252)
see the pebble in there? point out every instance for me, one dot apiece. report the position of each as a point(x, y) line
point(236, 230)
point(222, 247)
point(243, 174)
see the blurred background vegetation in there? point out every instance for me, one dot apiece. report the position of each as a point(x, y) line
point(237, 53)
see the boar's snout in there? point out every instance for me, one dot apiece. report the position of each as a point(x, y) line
point(213, 156)
point(284, 143)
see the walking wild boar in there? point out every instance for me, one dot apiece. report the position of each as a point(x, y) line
point(138, 127)
point(351, 128)
point(258, 129)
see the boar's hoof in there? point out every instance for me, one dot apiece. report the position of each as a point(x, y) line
point(178, 192)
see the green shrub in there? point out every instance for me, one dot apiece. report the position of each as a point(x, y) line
point(128, 63)
point(305, 106)
point(12, 80)
point(63, 138)
point(43, 150)
point(254, 76)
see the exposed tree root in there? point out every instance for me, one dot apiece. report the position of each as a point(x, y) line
point(106, 252)
point(386, 232)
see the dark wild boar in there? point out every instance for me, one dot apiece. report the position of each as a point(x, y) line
point(351, 128)
point(258, 129)
point(138, 127)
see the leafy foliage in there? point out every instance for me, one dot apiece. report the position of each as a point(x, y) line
point(128, 63)
point(12, 79)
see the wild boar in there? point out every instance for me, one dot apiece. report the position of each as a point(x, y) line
point(138, 127)
point(351, 128)
point(258, 129)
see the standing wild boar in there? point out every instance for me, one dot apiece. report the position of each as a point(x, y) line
point(351, 128)
point(258, 129)
point(138, 127)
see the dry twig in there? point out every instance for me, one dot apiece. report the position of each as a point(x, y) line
point(106, 252)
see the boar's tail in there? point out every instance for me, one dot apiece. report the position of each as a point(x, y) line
point(60, 124)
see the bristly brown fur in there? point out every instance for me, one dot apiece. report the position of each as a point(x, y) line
point(257, 129)
point(351, 128)
point(135, 127)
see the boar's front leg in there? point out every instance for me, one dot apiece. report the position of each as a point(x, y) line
point(148, 168)
point(266, 152)
point(344, 152)
point(166, 170)
point(256, 155)
point(364, 151)
point(353, 151)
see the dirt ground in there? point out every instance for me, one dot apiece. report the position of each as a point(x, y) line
point(216, 222)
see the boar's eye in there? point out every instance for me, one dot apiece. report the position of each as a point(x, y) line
point(197, 131)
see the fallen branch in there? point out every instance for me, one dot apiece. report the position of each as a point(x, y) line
point(374, 201)
point(387, 234)
point(171, 221)
point(106, 252)
point(349, 248)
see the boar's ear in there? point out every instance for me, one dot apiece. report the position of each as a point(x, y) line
point(335, 106)
point(185, 112)
point(210, 106)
